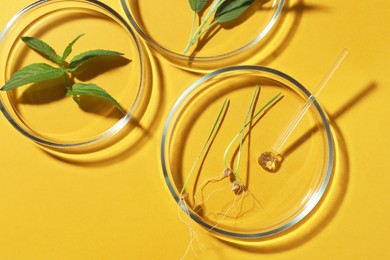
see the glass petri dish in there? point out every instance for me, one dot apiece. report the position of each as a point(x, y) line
point(41, 111)
point(267, 202)
point(168, 31)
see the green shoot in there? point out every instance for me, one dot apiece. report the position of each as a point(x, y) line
point(204, 146)
point(270, 102)
point(243, 132)
point(39, 72)
point(227, 172)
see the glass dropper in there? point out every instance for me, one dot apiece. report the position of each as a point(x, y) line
point(271, 160)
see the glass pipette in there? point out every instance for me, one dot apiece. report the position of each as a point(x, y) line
point(271, 160)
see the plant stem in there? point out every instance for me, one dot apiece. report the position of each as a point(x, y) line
point(243, 132)
point(247, 123)
point(198, 33)
point(204, 146)
point(67, 82)
point(207, 29)
point(192, 30)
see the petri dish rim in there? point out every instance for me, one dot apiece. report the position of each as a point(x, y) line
point(315, 198)
point(115, 129)
point(204, 59)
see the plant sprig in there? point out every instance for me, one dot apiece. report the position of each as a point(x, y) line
point(223, 10)
point(39, 72)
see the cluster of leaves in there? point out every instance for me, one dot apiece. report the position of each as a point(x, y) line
point(223, 10)
point(39, 72)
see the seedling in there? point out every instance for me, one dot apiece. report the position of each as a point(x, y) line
point(237, 186)
point(239, 190)
point(184, 196)
point(39, 72)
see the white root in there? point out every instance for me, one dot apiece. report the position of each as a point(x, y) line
point(187, 221)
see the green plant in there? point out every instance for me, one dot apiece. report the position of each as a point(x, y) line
point(223, 10)
point(238, 188)
point(38, 72)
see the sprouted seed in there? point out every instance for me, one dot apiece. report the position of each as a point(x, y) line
point(240, 191)
point(184, 196)
point(238, 186)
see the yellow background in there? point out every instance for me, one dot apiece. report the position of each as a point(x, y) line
point(121, 208)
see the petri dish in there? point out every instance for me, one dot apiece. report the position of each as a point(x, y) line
point(41, 111)
point(168, 31)
point(202, 138)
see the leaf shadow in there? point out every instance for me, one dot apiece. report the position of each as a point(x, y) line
point(99, 65)
point(252, 10)
point(43, 92)
point(99, 106)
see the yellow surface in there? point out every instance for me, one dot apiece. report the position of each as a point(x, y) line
point(120, 208)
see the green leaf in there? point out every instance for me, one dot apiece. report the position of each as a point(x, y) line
point(197, 5)
point(36, 72)
point(68, 49)
point(43, 48)
point(80, 89)
point(231, 9)
point(78, 60)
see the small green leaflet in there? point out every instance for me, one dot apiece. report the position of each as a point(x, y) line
point(78, 60)
point(68, 49)
point(231, 9)
point(43, 48)
point(197, 5)
point(36, 72)
point(80, 89)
